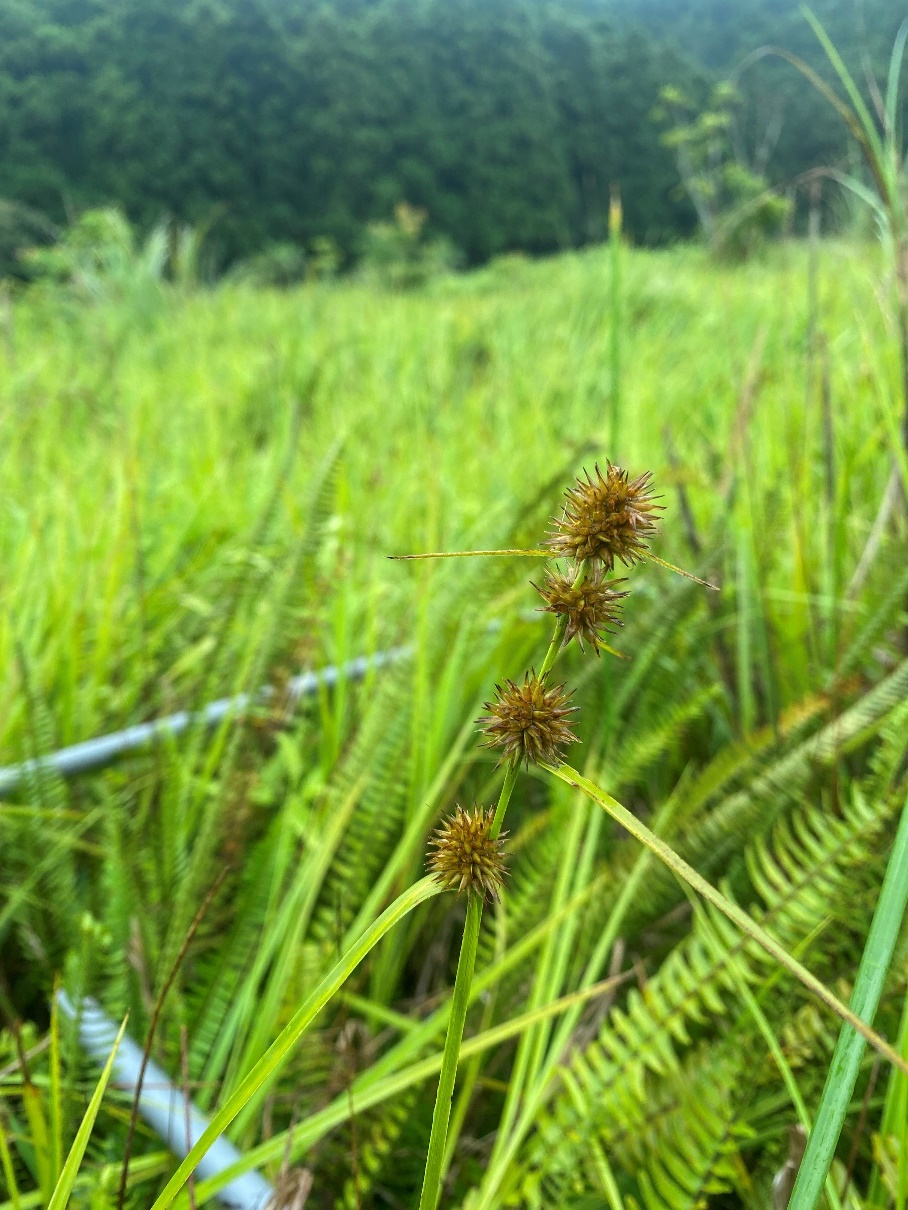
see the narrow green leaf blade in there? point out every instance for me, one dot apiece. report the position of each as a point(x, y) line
point(9, 1175)
point(854, 94)
point(892, 83)
point(843, 1071)
point(56, 1097)
point(275, 1055)
point(64, 1187)
point(739, 917)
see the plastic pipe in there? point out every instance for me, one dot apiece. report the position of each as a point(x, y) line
point(96, 753)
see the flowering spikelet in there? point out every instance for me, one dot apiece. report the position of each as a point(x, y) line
point(592, 607)
point(466, 856)
point(529, 721)
point(606, 518)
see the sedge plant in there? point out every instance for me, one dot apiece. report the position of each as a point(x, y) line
point(608, 518)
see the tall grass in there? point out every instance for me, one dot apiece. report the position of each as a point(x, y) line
point(201, 497)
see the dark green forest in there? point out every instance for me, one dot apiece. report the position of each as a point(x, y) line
point(507, 121)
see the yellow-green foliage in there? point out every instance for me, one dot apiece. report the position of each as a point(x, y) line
point(135, 455)
point(198, 492)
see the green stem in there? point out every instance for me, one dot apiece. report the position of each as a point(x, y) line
point(504, 797)
point(555, 646)
point(474, 1064)
point(614, 230)
point(441, 1116)
point(560, 628)
point(438, 1139)
point(431, 1186)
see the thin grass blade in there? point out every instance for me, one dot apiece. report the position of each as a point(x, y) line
point(56, 1099)
point(470, 554)
point(64, 1187)
point(679, 571)
point(739, 917)
point(871, 134)
point(274, 1057)
point(846, 1061)
point(9, 1174)
point(892, 82)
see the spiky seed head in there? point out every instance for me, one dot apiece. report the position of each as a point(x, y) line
point(529, 722)
point(467, 857)
point(592, 607)
point(606, 517)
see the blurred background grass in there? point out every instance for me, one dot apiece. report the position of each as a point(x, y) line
point(138, 456)
point(200, 490)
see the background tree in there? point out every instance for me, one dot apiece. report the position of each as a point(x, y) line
point(507, 121)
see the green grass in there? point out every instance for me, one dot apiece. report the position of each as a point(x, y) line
point(198, 492)
point(153, 450)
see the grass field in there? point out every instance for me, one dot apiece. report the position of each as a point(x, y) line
point(198, 492)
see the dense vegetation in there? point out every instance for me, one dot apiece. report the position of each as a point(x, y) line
point(508, 121)
point(199, 490)
point(803, 132)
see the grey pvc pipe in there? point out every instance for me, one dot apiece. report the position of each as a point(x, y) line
point(165, 1107)
point(161, 1104)
point(96, 753)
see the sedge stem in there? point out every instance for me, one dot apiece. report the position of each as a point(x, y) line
point(431, 1187)
point(441, 1116)
point(560, 628)
point(463, 983)
point(505, 797)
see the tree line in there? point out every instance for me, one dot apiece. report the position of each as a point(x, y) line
point(507, 121)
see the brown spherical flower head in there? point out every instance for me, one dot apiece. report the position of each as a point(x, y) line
point(467, 857)
point(592, 607)
point(529, 722)
point(606, 517)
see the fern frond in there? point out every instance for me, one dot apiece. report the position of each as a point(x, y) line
point(799, 873)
